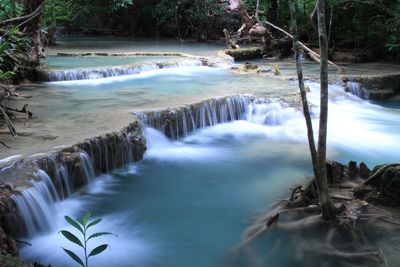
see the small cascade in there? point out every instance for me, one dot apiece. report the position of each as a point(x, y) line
point(57, 176)
point(271, 113)
point(104, 72)
point(357, 89)
point(35, 205)
point(61, 178)
point(177, 123)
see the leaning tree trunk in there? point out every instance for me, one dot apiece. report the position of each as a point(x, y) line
point(326, 202)
point(33, 30)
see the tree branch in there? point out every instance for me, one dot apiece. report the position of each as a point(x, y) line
point(25, 17)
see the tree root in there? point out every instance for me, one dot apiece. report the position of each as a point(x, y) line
point(24, 110)
point(382, 169)
point(329, 251)
point(381, 217)
point(271, 220)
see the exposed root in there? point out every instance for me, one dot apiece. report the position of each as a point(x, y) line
point(329, 251)
point(344, 241)
point(377, 174)
point(381, 217)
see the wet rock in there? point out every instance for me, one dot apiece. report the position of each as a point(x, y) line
point(251, 68)
point(336, 172)
point(364, 171)
point(244, 53)
point(382, 186)
point(374, 86)
point(354, 170)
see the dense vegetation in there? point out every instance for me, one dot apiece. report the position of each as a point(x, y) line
point(372, 26)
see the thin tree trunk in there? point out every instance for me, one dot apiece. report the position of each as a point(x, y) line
point(306, 110)
point(257, 9)
point(273, 11)
point(330, 25)
point(326, 202)
point(53, 23)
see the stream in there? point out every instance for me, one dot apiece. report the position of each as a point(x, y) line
point(189, 200)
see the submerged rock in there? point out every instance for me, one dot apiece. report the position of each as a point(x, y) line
point(251, 68)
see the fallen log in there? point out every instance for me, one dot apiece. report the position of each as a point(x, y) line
point(313, 54)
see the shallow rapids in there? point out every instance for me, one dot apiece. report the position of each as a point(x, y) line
point(188, 201)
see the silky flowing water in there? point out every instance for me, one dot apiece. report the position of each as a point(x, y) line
point(188, 202)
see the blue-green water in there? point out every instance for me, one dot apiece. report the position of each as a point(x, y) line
point(67, 112)
point(80, 62)
point(188, 202)
point(116, 44)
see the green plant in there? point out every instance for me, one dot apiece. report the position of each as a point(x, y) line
point(83, 224)
point(394, 43)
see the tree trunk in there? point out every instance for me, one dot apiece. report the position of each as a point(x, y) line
point(257, 8)
point(53, 25)
point(326, 202)
point(306, 110)
point(318, 157)
point(273, 11)
point(33, 30)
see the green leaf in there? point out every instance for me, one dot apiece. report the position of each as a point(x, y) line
point(74, 256)
point(100, 234)
point(94, 223)
point(73, 223)
point(84, 220)
point(71, 237)
point(98, 250)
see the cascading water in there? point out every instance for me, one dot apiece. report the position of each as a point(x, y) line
point(200, 180)
point(177, 123)
point(104, 72)
point(58, 175)
point(35, 205)
point(357, 89)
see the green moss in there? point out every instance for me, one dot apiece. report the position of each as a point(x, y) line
point(10, 261)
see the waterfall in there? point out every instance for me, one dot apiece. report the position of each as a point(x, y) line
point(57, 176)
point(104, 72)
point(357, 89)
point(271, 113)
point(35, 205)
point(179, 122)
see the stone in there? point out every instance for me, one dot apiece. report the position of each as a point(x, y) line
point(353, 169)
point(364, 171)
